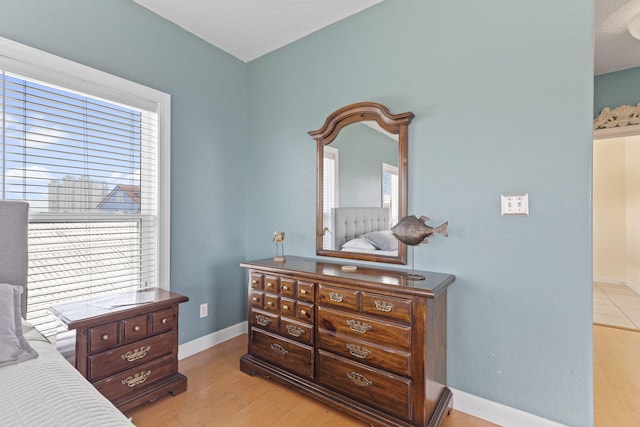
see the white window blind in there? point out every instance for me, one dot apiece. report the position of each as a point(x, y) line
point(390, 189)
point(89, 168)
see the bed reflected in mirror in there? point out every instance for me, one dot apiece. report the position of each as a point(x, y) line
point(361, 183)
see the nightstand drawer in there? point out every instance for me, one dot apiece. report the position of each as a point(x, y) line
point(136, 378)
point(289, 355)
point(162, 321)
point(365, 328)
point(128, 356)
point(379, 389)
point(135, 328)
point(103, 337)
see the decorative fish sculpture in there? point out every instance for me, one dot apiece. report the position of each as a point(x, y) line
point(413, 231)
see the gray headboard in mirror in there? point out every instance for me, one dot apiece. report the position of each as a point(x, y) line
point(14, 222)
point(361, 164)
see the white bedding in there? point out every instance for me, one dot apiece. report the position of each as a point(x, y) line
point(48, 391)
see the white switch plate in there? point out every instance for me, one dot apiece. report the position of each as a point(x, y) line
point(204, 310)
point(514, 204)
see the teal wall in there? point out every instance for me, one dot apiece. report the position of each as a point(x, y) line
point(618, 88)
point(503, 98)
point(502, 92)
point(208, 133)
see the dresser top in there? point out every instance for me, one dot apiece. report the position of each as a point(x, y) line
point(375, 277)
point(111, 307)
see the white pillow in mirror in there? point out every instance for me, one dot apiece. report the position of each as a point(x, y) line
point(359, 243)
point(382, 240)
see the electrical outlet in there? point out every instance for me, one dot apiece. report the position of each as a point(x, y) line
point(204, 310)
point(514, 204)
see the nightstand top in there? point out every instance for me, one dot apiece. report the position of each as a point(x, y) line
point(113, 307)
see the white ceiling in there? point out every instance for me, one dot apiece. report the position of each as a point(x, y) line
point(248, 29)
point(615, 49)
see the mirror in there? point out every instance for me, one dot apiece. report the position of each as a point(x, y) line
point(361, 183)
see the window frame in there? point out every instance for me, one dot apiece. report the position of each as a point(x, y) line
point(39, 65)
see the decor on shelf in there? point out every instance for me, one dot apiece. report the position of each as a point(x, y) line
point(413, 231)
point(278, 237)
point(622, 115)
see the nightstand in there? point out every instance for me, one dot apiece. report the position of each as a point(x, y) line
point(128, 352)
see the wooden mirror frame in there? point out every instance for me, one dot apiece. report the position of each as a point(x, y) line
point(397, 124)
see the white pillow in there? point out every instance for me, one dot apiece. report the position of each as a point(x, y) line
point(359, 243)
point(13, 347)
point(382, 240)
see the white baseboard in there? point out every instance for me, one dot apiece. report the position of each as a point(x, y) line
point(200, 344)
point(496, 412)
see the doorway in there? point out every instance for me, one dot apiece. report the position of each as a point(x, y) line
point(616, 231)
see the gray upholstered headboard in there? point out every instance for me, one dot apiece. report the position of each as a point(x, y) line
point(14, 222)
point(349, 223)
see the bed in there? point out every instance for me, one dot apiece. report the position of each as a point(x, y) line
point(38, 386)
point(364, 229)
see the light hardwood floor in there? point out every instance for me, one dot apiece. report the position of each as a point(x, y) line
point(219, 394)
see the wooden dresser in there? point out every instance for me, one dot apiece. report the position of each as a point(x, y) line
point(370, 342)
point(129, 353)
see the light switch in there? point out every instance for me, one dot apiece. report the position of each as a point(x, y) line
point(514, 204)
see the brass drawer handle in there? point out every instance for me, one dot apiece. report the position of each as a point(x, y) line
point(278, 349)
point(262, 320)
point(359, 379)
point(105, 337)
point(269, 303)
point(384, 306)
point(164, 321)
point(336, 297)
point(136, 354)
point(269, 285)
point(294, 330)
point(285, 288)
point(136, 379)
point(303, 291)
point(254, 282)
point(303, 312)
point(285, 307)
point(136, 328)
point(254, 299)
point(358, 326)
point(357, 351)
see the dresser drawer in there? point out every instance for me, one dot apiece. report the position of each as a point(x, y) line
point(393, 308)
point(287, 354)
point(304, 312)
point(338, 297)
point(296, 330)
point(272, 284)
point(305, 291)
point(287, 307)
point(136, 378)
point(162, 321)
point(365, 328)
point(256, 281)
point(256, 299)
point(271, 303)
point(386, 358)
point(376, 388)
point(128, 356)
point(103, 337)
point(264, 320)
point(288, 287)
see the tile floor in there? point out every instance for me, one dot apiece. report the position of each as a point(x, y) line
point(616, 305)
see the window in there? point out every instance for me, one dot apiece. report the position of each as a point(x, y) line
point(390, 187)
point(330, 193)
point(89, 152)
